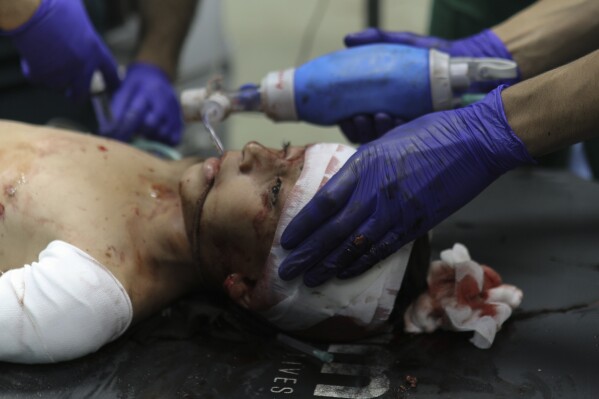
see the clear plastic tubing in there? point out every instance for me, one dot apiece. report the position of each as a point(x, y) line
point(246, 99)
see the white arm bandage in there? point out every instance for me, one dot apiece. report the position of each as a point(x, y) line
point(64, 306)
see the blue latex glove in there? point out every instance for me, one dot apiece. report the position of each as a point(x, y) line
point(145, 104)
point(60, 49)
point(364, 128)
point(396, 188)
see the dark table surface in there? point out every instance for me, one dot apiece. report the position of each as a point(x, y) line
point(539, 229)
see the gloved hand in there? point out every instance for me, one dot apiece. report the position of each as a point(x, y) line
point(396, 188)
point(60, 49)
point(145, 104)
point(483, 44)
point(364, 128)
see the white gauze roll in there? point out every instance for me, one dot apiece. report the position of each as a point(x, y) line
point(367, 299)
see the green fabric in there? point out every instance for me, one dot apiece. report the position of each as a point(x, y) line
point(37, 105)
point(10, 69)
point(591, 149)
point(454, 19)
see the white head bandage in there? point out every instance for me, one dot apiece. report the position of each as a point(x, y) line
point(367, 299)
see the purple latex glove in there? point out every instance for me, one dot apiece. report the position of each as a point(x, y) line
point(145, 104)
point(365, 128)
point(396, 188)
point(484, 44)
point(60, 49)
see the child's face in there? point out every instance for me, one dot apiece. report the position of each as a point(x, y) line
point(232, 206)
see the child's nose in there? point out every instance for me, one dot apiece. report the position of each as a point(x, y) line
point(256, 155)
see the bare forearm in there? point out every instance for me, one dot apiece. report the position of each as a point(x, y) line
point(14, 13)
point(164, 27)
point(551, 33)
point(557, 108)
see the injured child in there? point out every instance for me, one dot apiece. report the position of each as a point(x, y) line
point(96, 235)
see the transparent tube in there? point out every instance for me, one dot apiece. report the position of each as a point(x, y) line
point(213, 111)
point(247, 99)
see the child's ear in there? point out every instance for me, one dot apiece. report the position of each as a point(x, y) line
point(239, 289)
